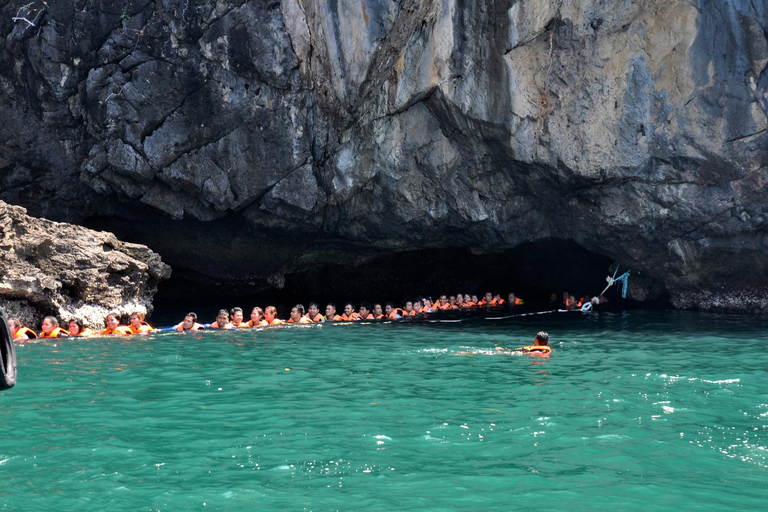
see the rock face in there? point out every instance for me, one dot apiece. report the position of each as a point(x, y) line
point(313, 132)
point(51, 268)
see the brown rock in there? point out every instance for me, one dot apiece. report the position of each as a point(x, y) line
point(52, 268)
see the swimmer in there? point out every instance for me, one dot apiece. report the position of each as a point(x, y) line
point(378, 311)
point(513, 300)
point(297, 315)
point(222, 321)
point(349, 314)
point(270, 316)
point(330, 313)
point(392, 312)
point(138, 325)
point(257, 315)
point(237, 318)
point(79, 329)
point(20, 332)
point(540, 346)
point(50, 328)
point(190, 323)
point(408, 308)
point(313, 313)
point(112, 321)
point(365, 312)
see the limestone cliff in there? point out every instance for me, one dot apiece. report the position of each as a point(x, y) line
point(51, 268)
point(246, 140)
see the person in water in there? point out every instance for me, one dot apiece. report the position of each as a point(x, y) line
point(237, 318)
point(137, 324)
point(313, 313)
point(378, 311)
point(113, 325)
point(330, 313)
point(257, 317)
point(79, 329)
point(392, 312)
point(190, 323)
point(20, 332)
point(514, 300)
point(270, 316)
point(222, 321)
point(349, 313)
point(540, 346)
point(365, 312)
point(297, 315)
point(50, 328)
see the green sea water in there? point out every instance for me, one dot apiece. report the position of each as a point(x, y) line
point(633, 411)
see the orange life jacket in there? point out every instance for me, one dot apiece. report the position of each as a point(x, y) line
point(57, 332)
point(275, 321)
point(354, 317)
point(85, 332)
point(120, 329)
point(369, 317)
point(25, 331)
point(195, 327)
point(395, 312)
point(302, 320)
point(337, 318)
point(143, 329)
point(228, 325)
point(317, 320)
point(468, 304)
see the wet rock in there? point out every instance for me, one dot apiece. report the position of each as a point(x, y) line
point(51, 268)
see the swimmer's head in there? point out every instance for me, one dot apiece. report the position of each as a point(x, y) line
point(542, 338)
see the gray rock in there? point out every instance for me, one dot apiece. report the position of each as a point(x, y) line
point(636, 129)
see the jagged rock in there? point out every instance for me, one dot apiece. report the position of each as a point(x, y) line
point(638, 130)
point(69, 271)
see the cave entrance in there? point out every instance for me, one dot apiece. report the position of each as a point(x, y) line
point(532, 270)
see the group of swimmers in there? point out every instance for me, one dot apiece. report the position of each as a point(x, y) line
point(50, 328)
point(234, 319)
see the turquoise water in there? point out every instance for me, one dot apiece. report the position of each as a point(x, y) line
point(633, 411)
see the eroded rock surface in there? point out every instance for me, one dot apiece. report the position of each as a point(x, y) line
point(52, 268)
point(320, 132)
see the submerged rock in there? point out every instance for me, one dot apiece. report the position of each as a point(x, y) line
point(52, 268)
point(249, 140)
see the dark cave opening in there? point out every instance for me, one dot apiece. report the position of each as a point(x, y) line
point(532, 270)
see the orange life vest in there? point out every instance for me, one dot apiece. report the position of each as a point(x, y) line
point(57, 332)
point(25, 331)
point(85, 332)
point(468, 304)
point(276, 321)
point(318, 318)
point(337, 318)
point(302, 320)
point(143, 329)
point(120, 329)
point(354, 317)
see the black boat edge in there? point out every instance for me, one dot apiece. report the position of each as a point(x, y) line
point(7, 356)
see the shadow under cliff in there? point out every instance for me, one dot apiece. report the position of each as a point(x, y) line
point(533, 271)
